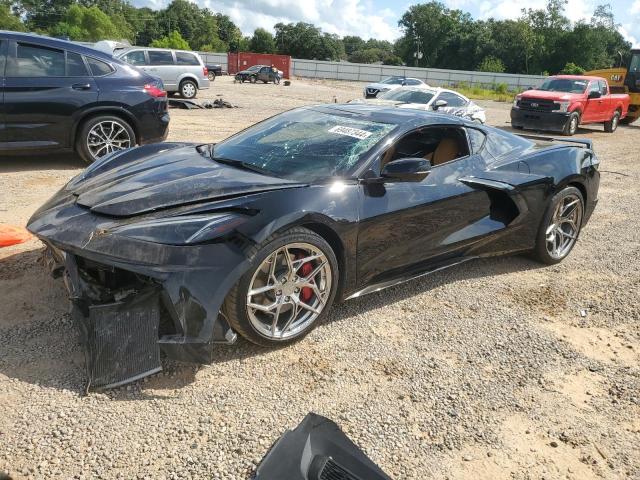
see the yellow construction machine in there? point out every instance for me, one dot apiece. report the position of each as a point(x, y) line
point(625, 80)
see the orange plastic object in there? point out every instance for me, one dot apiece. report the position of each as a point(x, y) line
point(12, 235)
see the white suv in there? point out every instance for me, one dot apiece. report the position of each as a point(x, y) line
point(180, 70)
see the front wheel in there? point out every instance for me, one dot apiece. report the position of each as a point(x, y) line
point(560, 226)
point(102, 135)
point(571, 127)
point(287, 291)
point(253, 79)
point(612, 124)
point(188, 89)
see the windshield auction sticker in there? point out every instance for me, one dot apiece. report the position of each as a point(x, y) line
point(350, 132)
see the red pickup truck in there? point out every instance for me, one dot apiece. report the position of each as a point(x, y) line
point(563, 102)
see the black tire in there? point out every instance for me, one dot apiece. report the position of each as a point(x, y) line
point(188, 89)
point(82, 136)
point(253, 79)
point(211, 76)
point(571, 127)
point(517, 127)
point(235, 306)
point(611, 125)
point(540, 252)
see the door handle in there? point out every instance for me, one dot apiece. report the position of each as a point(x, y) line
point(81, 86)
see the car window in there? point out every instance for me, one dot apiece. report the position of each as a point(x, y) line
point(594, 87)
point(36, 61)
point(603, 87)
point(408, 96)
point(393, 81)
point(566, 85)
point(500, 143)
point(413, 81)
point(265, 70)
point(476, 139)
point(452, 99)
point(135, 58)
point(160, 57)
point(184, 58)
point(3, 57)
point(98, 67)
point(439, 145)
point(76, 66)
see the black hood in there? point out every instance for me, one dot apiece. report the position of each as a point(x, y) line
point(163, 176)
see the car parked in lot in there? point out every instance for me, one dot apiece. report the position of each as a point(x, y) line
point(259, 234)
point(564, 102)
point(262, 73)
point(213, 71)
point(181, 71)
point(390, 83)
point(60, 95)
point(430, 98)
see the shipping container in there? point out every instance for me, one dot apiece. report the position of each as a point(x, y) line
point(237, 62)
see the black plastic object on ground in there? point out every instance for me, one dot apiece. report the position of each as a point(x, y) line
point(317, 450)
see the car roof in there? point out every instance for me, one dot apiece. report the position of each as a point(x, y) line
point(577, 77)
point(428, 88)
point(129, 49)
point(384, 114)
point(56, 43)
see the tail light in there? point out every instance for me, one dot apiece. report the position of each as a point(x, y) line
point(205, 71)
point(154, 90)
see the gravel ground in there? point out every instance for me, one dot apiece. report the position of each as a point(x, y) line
point(497, 369)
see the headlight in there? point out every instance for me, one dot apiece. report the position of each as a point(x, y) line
point(564, 106)
point(186, 230)
point(516, 100)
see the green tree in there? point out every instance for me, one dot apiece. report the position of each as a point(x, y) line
point(572, 69)
point(9, 21)
point(89, 24)
point(229, 33)
point(368, 55)
point(42, 15)
point(173, 40)
point(262, 41)
point(491, 64)
point(198, 26)
point(304, 40)
point(353, 44)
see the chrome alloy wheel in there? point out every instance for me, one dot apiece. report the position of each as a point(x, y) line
point(107, 137)
point(564, 226)
point(289, 290)
point(573, 126)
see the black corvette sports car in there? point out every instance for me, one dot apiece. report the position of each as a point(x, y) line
point(176, 247)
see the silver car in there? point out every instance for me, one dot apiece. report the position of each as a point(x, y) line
point(180, 70)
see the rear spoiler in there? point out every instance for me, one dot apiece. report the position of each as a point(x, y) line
point(584, 142)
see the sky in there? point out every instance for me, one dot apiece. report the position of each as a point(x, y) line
point(379, 18)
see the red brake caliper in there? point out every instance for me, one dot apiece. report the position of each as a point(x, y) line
point(307, 292)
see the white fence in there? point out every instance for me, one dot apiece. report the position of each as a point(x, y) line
point(362, 72)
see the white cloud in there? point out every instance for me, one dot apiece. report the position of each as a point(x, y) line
point(625, 32)
point(635, 7)
point(342, 17)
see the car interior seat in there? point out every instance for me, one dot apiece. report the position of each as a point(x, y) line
point(448, 149)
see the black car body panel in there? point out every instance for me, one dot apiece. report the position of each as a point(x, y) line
point(539, 120)
point(168, 218)
point(44, 112)
point(317, 450)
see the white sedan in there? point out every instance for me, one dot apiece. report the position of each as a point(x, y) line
point(391, 83)
point(430, 98)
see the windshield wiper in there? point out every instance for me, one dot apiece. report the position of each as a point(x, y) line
point(243, 165)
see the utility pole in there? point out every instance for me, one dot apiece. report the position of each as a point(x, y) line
point(418, 53)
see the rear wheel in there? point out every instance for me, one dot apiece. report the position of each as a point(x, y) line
point(612, 124)
point(560, 226)
point(102, 135)
point(188, 89)
point(287, 290)
point(571, 127)
point(211, 76)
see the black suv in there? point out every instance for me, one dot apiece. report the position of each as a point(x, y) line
point(59, 95)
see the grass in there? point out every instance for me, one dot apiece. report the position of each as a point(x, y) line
point(498, 92)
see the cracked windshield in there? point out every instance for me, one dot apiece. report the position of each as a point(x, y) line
point(304, 145)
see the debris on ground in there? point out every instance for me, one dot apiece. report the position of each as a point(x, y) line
point(12, 235)
point(190, 104)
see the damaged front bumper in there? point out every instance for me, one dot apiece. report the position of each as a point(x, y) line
point(126, 318)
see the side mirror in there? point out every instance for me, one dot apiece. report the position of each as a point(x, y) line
point(439, 103)
point(595, 94)
point(407, 170)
